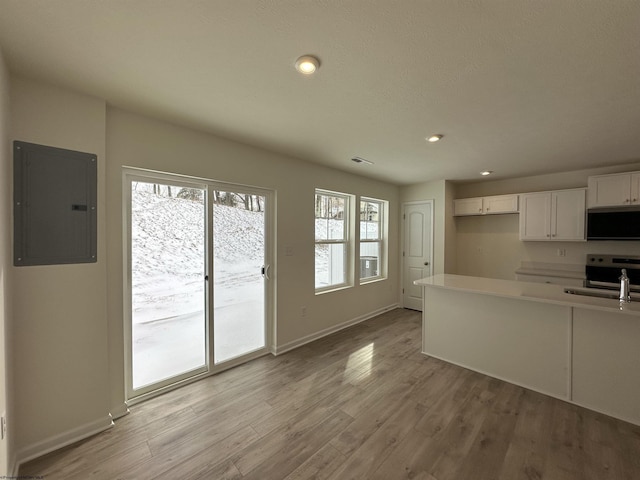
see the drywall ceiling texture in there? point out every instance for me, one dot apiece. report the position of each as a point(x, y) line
point(518, 87)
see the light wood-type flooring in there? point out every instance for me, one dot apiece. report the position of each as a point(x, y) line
point(362, 403)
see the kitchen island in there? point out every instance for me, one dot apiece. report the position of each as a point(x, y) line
point(581, 349)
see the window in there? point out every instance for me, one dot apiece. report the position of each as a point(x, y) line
point(332, 239)
point(371, 238)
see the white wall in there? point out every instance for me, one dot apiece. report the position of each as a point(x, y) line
point(488, 246)
point(138, 141)
point(6, 450)
point(59, 337)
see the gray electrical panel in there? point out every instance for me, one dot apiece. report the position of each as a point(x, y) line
point(55, 205)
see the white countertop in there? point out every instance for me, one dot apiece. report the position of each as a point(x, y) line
point(538, 292)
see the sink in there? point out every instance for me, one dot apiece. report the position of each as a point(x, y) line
point(597, 293)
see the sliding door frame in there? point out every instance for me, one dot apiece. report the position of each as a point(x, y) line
point(132, 174)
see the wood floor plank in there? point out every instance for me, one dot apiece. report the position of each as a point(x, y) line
point(487, 454)
point(226, 419)
point(213, 459)
point(419, 453)
point(287, 436)
point(529, 446)
point(566, 459)
point(108, 468)
point(304, 401)
point(319, 465)
point(185, 456)
point(444, 408)
point(364, 426)
point(296, 450)
point(458, 438)
point(412, 458)
point(365, 460)
point(362, 403)
point(221, 471)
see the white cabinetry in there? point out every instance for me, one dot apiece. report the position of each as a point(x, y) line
point(614, 190)
point(467, 206)
point(486, 205)
point(554, 216)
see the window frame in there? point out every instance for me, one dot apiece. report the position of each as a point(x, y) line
point(381, 240)
point(346, 241)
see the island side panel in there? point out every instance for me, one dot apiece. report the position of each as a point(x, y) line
point(606, 362)
point(523, 342)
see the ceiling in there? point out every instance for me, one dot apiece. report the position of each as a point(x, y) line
point(520, 87)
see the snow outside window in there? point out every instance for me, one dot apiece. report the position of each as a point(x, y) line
point(332, 239)
point(371, 238)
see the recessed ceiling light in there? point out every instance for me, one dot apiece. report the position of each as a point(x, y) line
point(434, 138)
point(486, 172)
point(307, 64)
point(361, 160)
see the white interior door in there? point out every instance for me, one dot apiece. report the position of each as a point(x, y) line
point(417, 251)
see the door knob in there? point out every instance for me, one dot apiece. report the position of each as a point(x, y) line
point(426, 263)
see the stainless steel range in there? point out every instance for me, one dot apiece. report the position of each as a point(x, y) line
point(603, 271)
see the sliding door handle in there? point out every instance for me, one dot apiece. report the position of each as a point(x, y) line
point(265, 271)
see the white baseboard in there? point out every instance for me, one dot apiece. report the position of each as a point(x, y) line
point(278, 350)
point(62, 440)
point(12, 469)
point(119, 411)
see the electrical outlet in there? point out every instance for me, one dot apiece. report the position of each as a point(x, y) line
point(303, 311)
point(3, 426)
point(562, 252)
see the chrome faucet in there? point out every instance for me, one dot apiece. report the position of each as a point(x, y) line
point(624, 287)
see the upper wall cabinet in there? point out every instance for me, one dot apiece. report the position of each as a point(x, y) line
point(614, 190)
point(553, 216)
point(486, 205)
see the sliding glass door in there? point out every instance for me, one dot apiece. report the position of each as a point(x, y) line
point(239, 274)
point(168, 282)
point(197, 279)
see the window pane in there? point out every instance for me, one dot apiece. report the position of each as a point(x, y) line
point(330, 264)
point(369, 259)
point(370, 220)
point(330, 217)
point(168, 239)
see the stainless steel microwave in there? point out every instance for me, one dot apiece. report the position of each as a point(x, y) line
point(620, 223)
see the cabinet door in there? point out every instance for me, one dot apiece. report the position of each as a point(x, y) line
point(500, 204)
point(535, 216)
point(467, 206)
point(567, 215)
point(635, 188)
point(610, 190)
